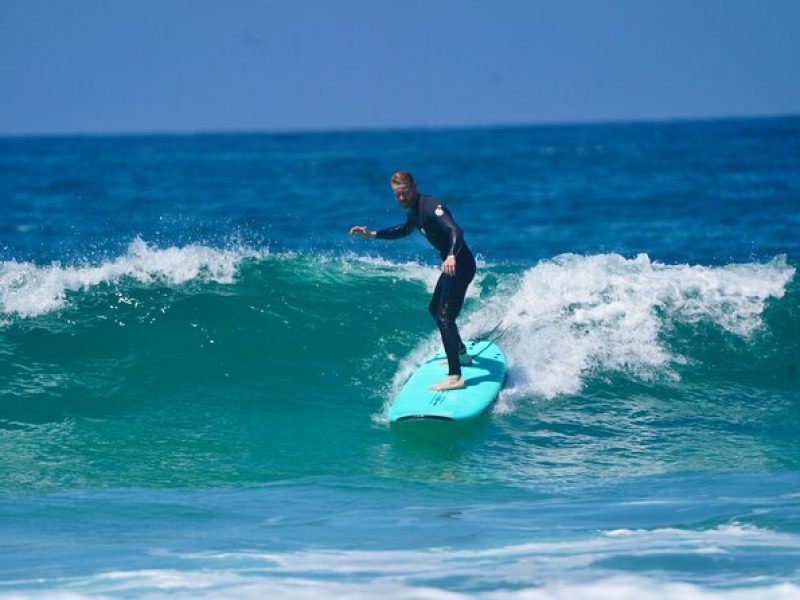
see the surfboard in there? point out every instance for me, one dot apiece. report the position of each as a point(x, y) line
point(483, 381)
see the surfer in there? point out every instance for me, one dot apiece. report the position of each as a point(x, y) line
point(436, 223)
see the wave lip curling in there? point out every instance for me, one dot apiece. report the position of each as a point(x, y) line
point(575, 314)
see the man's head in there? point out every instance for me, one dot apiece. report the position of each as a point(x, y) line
point(404, 189)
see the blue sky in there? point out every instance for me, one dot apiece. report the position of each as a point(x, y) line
point(86, 66)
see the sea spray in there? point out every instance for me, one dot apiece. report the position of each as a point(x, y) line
point(28, 290)
point(575, 315)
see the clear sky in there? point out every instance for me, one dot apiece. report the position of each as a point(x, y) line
point(80, 66)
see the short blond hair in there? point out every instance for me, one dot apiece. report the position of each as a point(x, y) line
point(403, 178)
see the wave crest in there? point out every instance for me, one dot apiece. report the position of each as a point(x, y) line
point(576, 314)
point(29, 290)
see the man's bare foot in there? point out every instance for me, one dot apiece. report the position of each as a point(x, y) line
point(464, 359)
point(453, 382)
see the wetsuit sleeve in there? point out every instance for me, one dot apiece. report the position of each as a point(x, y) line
point(455, 233)
point(396, 232)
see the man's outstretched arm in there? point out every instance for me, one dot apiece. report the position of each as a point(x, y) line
point(390, 233)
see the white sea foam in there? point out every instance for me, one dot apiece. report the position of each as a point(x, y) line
point(526, 563)
point(28, 290)
point(148, 585)
point(545, 570)
point(731, 533)
point(573, 315)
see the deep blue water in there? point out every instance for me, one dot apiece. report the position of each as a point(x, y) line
point(196, 364)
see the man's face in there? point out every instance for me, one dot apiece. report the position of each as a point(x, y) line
point(405, 194)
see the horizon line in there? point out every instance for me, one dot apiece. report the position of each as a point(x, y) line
point(394, 128)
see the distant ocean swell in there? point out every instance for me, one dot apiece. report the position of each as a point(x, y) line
point(561, 322)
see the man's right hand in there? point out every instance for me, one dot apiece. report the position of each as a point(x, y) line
point(360, 230)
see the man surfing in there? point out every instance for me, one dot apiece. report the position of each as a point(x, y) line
point(436, 223)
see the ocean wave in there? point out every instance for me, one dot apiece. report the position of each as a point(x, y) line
point(575, 315)
point(30, 290)
point(560, 322)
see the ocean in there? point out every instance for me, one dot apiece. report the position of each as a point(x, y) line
point(197, 363)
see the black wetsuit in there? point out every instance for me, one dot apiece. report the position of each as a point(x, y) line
point(436, 223)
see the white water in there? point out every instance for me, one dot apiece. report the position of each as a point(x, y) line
point(546, 570)
point(575, 315)
point(29, 290)
point(560, 320)
point(162, 584)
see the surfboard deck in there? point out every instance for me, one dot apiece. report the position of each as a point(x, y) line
point(483, 379)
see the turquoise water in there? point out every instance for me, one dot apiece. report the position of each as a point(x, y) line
point(197, 365)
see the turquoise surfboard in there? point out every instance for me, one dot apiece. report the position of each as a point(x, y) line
point(483, 381)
